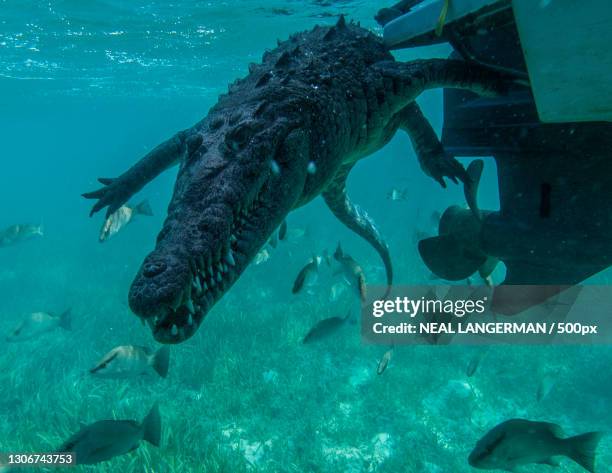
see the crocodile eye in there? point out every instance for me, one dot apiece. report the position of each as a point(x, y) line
point(237, 138)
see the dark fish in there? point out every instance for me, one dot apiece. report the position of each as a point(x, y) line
point(473, 365)
point(519, 442)
point(307, 272)
point(20, 232)
point(352, 270)
point(282, 11)
point(282, 231)
point(106, 439)
point(324, 328)
point(384, 361)
point(121, 217)
point(130, 361)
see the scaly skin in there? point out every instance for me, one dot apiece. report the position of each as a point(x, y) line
point(319, 102)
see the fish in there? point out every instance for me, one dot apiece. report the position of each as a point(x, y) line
point(473, 365)
point(352, 270)
point(19, 233)
point(282, 11)
point(129, 361)
point(297, 233)
point(307, 274)
point(39, 323)
point(397, 195)
point(324, 328)
point(384, 361)
point(121, 217)
point(545, 386)
point(261, 257)
point(519, 442)
point(282, 230)
point(106, 439)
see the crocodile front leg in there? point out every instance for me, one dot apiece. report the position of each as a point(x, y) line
point(432, 157)
point(117, 191)
point(357, 220)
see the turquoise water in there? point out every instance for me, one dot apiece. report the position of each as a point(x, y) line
point(88, 88)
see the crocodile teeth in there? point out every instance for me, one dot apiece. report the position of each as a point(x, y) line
point(190, 320)
point(174, 330)
point(212, 282)
point(312, 167)
point(229, 258)
point(190, 306)
point(197, 285)
point(205, 286)
point(218, 277)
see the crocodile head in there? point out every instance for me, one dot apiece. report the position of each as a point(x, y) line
point(234, 187)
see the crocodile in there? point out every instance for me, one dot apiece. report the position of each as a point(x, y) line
point(289, 131)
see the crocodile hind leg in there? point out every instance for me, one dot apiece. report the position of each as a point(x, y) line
point(433, 159)
point(117, 191)
point(357, 219)
point(411, 79)
point(407, 80)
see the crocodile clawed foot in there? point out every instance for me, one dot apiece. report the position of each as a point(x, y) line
point(113, 195)
point(446, 166)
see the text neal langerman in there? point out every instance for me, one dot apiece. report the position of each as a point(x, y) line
point(463, 328)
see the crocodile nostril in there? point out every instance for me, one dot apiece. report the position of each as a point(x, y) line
point(153, 269)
